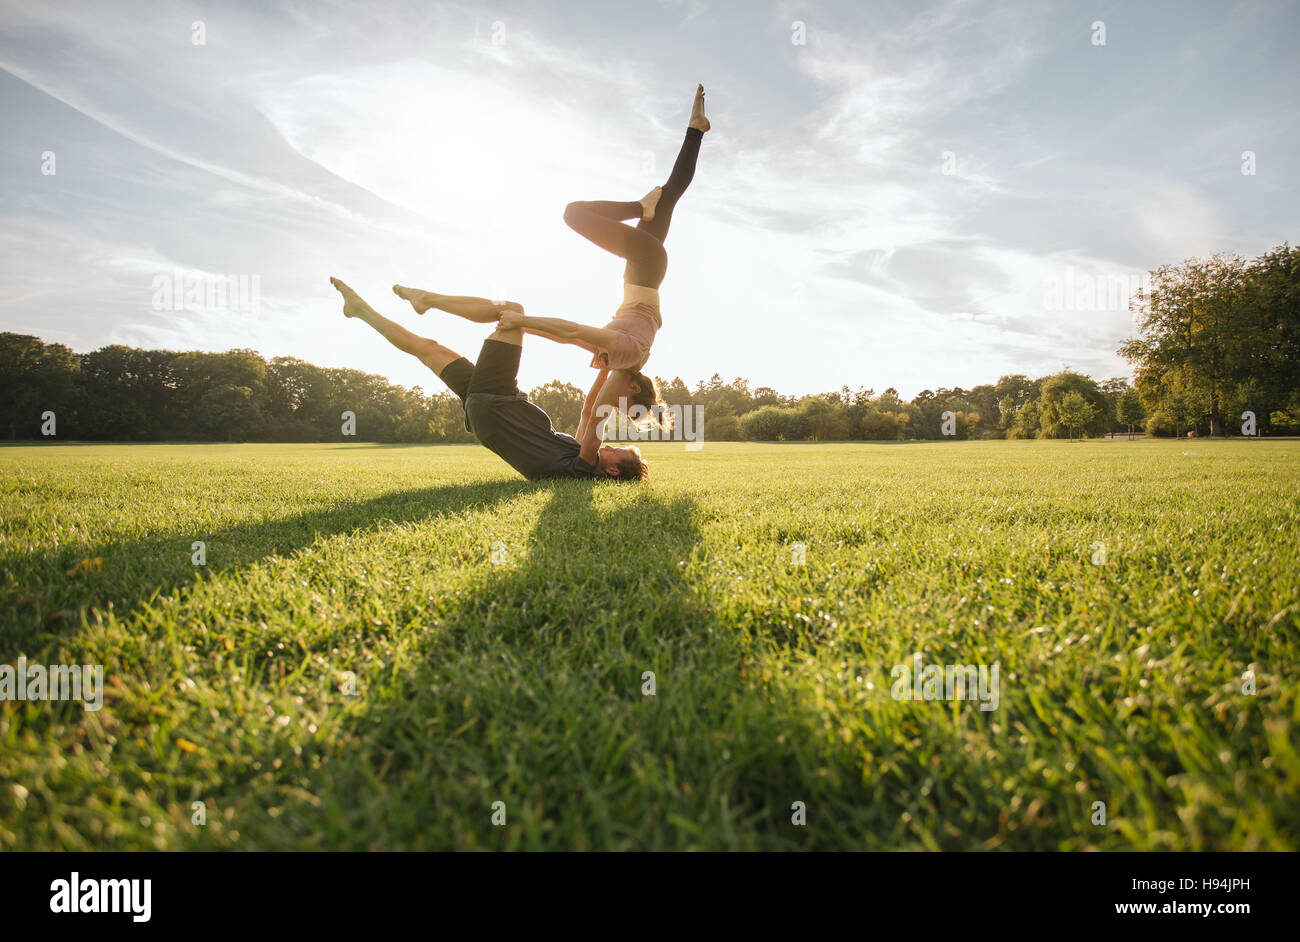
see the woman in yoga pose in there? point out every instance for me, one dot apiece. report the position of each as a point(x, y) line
point(623, 345)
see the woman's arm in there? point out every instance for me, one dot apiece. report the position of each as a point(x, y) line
point(560, 330)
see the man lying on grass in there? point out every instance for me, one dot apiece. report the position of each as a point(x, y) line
point(502, 417)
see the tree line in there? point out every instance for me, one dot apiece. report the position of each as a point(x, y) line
point(1218, 338)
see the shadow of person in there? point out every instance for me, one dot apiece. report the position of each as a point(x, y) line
point(537, 690)
point(131, 572)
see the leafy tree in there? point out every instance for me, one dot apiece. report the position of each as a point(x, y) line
point(1052, 394)
point(1284, 422)
point(298, 399)
point(1269, 378)
point(1129, 410)
point(228, 413)
point(447, 419)
point(198, 375)
point(723, 428)
point(879, 425)
point(1075, 412)
point(968, 424)
point(823, 420)
point(984, 401)
point(1194, 324)
point(674, 392)
point(36, 377)
point(1112, 389)
point(1026, 423)
point(562, 402)
point(1018, 387)
point(772, 424)
point(762, 425)
point(127, 394)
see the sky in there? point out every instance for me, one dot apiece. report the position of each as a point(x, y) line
point(892, 194)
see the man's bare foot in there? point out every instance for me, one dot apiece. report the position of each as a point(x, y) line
point(649, 202)
point(697, 111)
point(353, 306)
point(420, 300)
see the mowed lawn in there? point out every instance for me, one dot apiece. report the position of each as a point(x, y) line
point(522, 680)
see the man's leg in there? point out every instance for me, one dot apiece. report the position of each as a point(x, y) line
point(497, 367)
point(429, 352)
point(479, 310)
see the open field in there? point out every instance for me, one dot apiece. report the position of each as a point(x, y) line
point(521, 681)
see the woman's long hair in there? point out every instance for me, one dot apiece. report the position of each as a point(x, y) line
point(649, 399)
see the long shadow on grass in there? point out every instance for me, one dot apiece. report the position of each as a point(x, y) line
point(39, 596)
point(526, 692)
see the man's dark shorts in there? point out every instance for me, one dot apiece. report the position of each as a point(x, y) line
point(495, 372)
point(506, 423)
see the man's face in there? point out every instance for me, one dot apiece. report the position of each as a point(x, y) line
point(609, 457)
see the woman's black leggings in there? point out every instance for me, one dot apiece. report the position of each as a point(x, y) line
point(601, 221)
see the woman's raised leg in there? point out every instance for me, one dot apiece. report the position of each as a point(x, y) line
point(682, 174)
point(599, 221)
point(674, 187)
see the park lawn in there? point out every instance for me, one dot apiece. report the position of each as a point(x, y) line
point(521, 681)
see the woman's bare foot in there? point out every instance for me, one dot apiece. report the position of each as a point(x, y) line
point(649, 202)
point(697, 111)
point(353, 306)
point(420, 300)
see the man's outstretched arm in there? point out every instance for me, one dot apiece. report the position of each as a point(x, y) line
point(587, 435)
point(613, 387)
point(589, 404)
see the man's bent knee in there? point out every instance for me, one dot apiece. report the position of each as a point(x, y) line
point(435, 356)
point(512, 335)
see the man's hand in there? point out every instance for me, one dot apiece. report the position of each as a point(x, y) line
point(589, 403)
point(511, 320)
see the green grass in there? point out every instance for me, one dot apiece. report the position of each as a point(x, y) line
point(522, 682)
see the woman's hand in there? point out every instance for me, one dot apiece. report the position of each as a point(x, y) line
point(510, 320)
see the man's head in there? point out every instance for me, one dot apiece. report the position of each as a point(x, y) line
point(623, 464)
